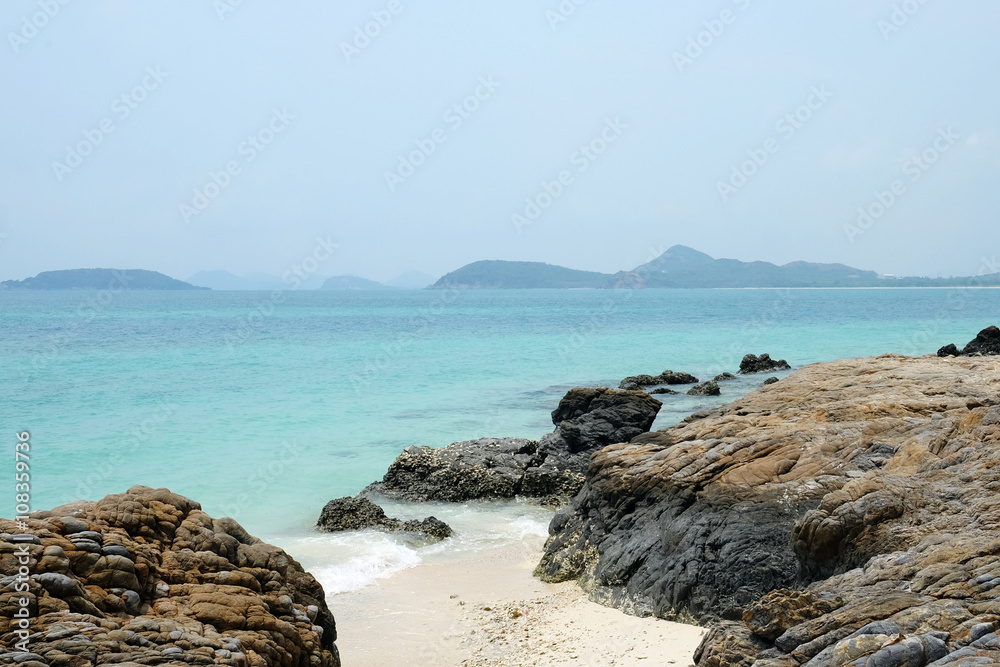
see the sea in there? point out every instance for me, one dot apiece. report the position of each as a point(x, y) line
point(263, 406)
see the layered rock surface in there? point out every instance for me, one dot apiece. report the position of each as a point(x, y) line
point(492, 468)
point(147, 578)
point(847, 515)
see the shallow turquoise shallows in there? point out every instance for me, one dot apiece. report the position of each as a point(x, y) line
point(264, 406)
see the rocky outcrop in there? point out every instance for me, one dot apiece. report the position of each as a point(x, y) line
point(753, 364)
point(588, 419)
point(360, 514)
point(710, 388)
point(949, 350)
point(634, 382)
point(491, 468)
point(724, 377)
point(986, 342)
point(484, 469)
point(147, 578)
point(844, 516)
point(770, 380)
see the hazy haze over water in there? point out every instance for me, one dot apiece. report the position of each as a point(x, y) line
point(199, 81)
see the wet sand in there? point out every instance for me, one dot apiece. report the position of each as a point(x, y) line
point(487, 609)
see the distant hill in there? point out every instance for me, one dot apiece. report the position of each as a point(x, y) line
point(496, 274)
point(681, 266)
point(411, 280)
point(353, 283)
point(99, 279)
point(226, 281)
point(220, 280)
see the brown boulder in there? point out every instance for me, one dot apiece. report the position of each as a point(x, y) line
point(145, 577)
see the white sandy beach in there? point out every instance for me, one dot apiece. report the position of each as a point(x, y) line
point(489, 610)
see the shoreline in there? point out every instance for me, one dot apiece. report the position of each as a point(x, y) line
point(488, 609)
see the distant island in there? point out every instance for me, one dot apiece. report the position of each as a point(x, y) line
point(678, 267)
point(262, 282)
point(354, 283)
point(683, 267)
point(497, 274)
point(224, 281)
point(99, 279)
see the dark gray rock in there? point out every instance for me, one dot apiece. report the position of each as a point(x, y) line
point(488, 468)
point(634, 382)
point(73, 525)
point(89, 535)
point(88, 545)
point(986, 342)
point(710, 388)
point(588, 419)
point(360, 513)
point(60, 585)
point(663, 390)
point(132, 602)
point(980, 630)
point(754, 364)
point(919, 650)
point(116, 550)
point(770, 380)
point(23, 657)
point(491, 468)
point(724, 377)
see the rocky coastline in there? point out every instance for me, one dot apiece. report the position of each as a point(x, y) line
point(844, 515)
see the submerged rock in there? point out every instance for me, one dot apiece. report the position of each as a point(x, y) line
point(663, 390)
point(191, 589)
point(710, 388)
point(986, 342)
point(754, 364)
point(845, 516)
point(491, 468)
point(724, 377)
point(360, 513)
point(634, 382)
point(770, 380)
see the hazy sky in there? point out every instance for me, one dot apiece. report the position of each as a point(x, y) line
point(115, 113)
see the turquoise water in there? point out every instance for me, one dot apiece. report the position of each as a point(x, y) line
point(264, 406)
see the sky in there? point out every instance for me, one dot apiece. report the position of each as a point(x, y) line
point(383, 136)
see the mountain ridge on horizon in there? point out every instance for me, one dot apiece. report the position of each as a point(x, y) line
point(681, 266)
point(100, 279)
